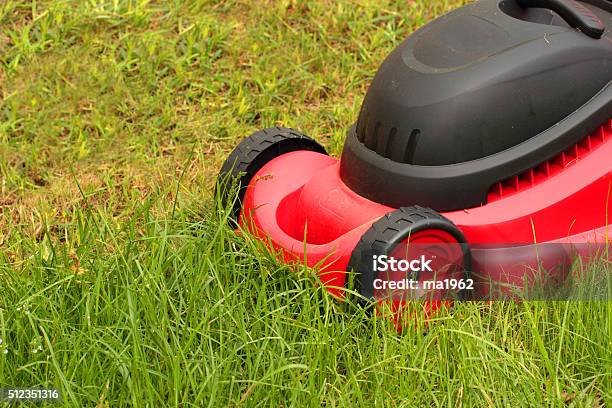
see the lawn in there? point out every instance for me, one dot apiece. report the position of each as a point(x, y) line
point(120, 282)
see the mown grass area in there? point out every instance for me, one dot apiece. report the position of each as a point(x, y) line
point(120, 283)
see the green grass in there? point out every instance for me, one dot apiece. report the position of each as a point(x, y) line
point(120, 283)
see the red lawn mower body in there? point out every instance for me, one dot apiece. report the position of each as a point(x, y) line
point(489, 129)
point(310, 215)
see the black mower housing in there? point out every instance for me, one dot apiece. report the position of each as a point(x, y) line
point(483, 93)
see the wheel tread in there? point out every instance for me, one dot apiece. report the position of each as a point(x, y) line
point(389, 229)
point(246, 158)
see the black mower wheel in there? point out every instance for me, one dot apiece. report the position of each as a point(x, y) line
point(251, 154)
point(391, 230)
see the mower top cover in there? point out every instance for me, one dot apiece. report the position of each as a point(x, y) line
point(485, 92)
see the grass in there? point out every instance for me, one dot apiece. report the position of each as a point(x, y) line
point(120, 283)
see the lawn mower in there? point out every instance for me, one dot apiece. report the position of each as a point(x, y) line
point(481, 157)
